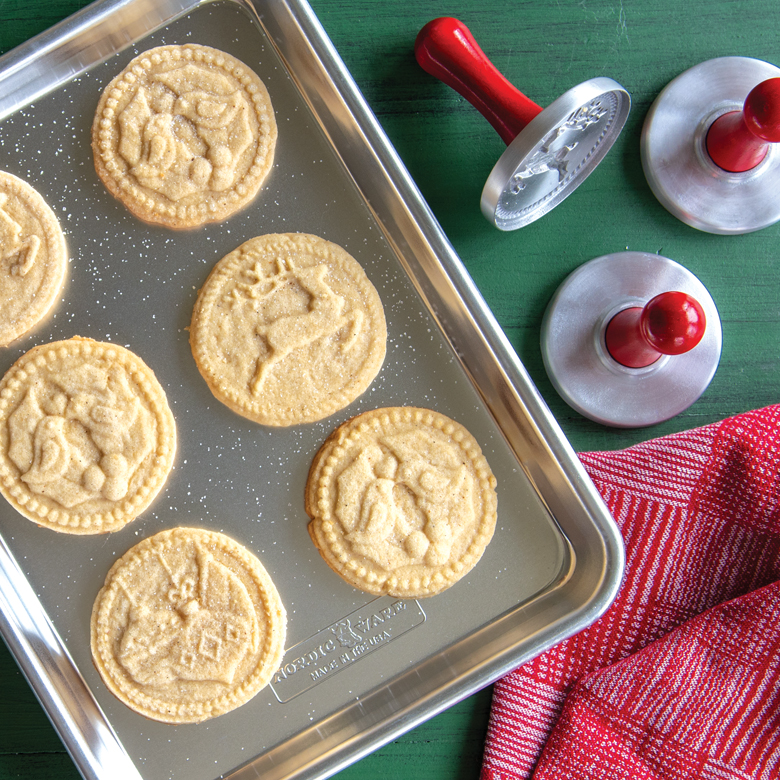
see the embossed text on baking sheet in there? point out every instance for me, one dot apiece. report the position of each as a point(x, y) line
point(343, 643)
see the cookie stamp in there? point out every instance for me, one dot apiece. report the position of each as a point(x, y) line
point(402, 502)
point(86, 436)
point(33, 258)
point(288, 329)
point(184, 135)
point(187, 626)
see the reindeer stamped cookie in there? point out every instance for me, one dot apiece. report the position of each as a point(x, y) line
point(288, 329)
point(187, 626)
point(184, 135)
point(33, 258)
point(87, 438)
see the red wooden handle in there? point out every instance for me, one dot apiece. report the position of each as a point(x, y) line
point(739, 140)
point(669, 324)
point(446, 49)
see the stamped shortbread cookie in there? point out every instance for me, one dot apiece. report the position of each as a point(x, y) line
point(86, 436)
point(288, 329)
point(187, 626)
point(402, 502)
point(33, 258)
point(184, 135)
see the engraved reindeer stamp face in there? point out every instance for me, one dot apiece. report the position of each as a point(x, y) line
point(540, 169)
point(33, 258)
point(86, 436)
point(555, 152)
point(288, 329)
point(402, 502)
point(184, 135)
point(188, 626)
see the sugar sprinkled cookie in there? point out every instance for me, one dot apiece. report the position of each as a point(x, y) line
point(86, 436)
point(184, 135)
point(288, 329)
point(187, 626)
point(33, 258)
point(402, 502)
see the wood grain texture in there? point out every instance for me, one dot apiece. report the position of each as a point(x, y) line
point(544, 48)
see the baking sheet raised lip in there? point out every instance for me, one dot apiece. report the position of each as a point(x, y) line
point(483, 351)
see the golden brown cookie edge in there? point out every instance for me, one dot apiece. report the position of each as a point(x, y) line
point(107, 522)
point(151, 215)
point(208, 292)
point(318, 526)
point(58, 257)
point(277, 623)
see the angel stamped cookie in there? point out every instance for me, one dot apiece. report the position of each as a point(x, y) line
point(184, 135)
point(33, 258)
point(288, 329)
point(402, 502)
point(87, 438)
point(188, 626)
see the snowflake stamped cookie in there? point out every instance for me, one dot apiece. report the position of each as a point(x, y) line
point(33, 258)
point(86, 436)
point(184, 135)
point(288, 329)
point(402, 502)
point(188, 626)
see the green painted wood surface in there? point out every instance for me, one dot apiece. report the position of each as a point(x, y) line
point(544, 48)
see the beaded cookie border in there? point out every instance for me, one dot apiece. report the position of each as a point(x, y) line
point(13, 387)
point(152, 207)
point(57, 259)
point(416, 581)
point(269, 656)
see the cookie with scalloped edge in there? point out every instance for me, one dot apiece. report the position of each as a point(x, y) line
point(188, 626)
point(402, 502)
point(33, 258)
point(87, 438)
point(184, 135)
point(288, 329)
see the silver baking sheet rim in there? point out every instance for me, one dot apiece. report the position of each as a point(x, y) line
point(584, 587)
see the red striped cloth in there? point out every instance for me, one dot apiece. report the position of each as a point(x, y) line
point(680, 678)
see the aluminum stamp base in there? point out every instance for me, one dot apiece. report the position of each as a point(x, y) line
point(577, 361)
point(678, 168)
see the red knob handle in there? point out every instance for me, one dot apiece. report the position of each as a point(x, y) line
point(446, 49)
point(669, 324)
point(739, 140)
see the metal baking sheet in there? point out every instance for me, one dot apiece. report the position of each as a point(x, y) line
point(556, 559)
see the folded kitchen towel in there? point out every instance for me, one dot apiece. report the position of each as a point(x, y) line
point(680, 678)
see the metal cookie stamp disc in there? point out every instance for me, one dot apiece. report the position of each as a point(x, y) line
point(581, 369)
point(550, 151)
point(554, 153)
point(678, 168)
